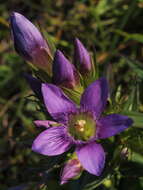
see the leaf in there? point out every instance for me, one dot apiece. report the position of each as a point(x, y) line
point(50, 41)
point(96, 183)
point(137, 37)
point(72, 94)
point(133, 102)
point(136, 66)
point(136, 157)
point(4, 22)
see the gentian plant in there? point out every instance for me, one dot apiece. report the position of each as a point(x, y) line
point(76, 107)
point(80, 126)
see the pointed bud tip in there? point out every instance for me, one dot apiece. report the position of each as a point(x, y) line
point(15, 15)
point(80, 45)
point(58, 53)
point(77, 41)
point(12, 14)
point(60, 58)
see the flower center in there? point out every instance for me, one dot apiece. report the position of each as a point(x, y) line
point(82, 126)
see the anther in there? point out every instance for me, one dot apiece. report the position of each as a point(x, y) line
point(79, 125)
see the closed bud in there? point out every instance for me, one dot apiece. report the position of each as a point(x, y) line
point(71, 170)
point(64, 73)
point(81, 57)
point(29, 42)
point(125, 152)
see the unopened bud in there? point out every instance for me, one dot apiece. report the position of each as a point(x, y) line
point(64, 73)
point(71, 170)
point(82, 58)
point(29, 42)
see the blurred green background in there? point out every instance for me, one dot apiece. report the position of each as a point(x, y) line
point(113, 29)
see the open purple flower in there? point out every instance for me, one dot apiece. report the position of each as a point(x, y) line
point(79, 126)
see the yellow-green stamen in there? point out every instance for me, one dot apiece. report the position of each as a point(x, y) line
point(82, 126)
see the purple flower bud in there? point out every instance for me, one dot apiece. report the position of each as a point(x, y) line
point(71, 170)
point(28, 41)
point(81, 57)
point(64, 73)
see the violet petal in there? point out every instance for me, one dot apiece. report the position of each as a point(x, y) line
point(44, 123)
point(111, 125)
point(95, 97)
point(57, 103)
point(34, 84)
point(52, 141)
point(91, 157)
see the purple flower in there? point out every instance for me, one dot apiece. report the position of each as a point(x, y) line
point(79, 126)
point(64, 73)
point(81, 57)
point(71, 170)
point(28, 41)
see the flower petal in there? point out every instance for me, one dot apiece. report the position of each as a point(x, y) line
point(111, 125)
point(92, 157)
point(64, 73)
point(57, 103)
point(44, 123)
point(95, 97)
point(34, 84)
point(52, 141)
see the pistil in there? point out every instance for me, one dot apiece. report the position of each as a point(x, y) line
point(80, 125)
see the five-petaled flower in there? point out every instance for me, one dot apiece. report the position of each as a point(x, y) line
point(79, 126)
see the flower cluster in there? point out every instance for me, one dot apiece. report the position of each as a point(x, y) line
point(79, 126)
